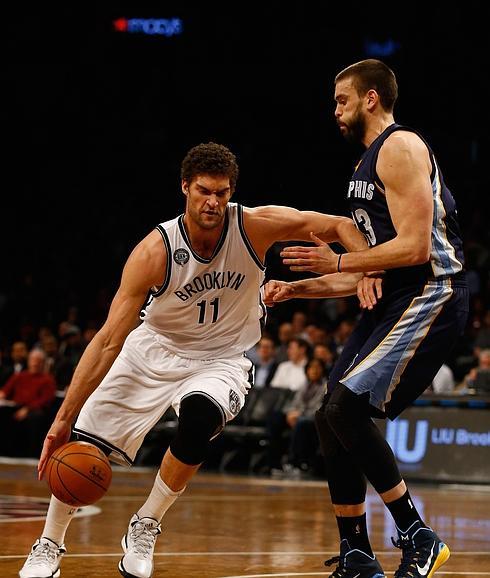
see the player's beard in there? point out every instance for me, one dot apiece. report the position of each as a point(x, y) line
point(356, 128)
point(208, 223)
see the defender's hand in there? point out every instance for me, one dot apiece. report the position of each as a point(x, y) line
point(276, 291)
point(369, 289)
point(320, 259)
point(58, 434)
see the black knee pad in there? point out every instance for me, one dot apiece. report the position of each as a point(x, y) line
point(346, 481)
point(349, 416)
point(200, 420)
point(347, 413)
point(329, 443)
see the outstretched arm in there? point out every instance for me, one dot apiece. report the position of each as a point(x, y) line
point(404, 168)
point(269, 224)
point(142, 270)
point(368, 288)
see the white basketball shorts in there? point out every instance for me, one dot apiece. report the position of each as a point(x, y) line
point(144, 381)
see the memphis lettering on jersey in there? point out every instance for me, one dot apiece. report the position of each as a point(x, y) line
point(360, 190)
point(213, 280)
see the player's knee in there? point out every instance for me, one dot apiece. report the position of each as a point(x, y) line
point(329, 444)
point(200, 420)
point(345, 406)
point(345, 412)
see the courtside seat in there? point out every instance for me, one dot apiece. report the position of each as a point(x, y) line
point(246, 440)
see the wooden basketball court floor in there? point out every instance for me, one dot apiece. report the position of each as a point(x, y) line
point(228, 526)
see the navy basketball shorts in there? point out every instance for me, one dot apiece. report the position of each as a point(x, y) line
point(396, 349)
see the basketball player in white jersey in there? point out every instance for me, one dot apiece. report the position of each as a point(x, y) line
point(187, 308)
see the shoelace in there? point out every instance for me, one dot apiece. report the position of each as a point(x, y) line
point(44, 552)
point(408, 563)
point(338, 572)
point(143, 537)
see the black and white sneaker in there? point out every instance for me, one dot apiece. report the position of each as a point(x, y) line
point(138, 545)
point(44, 560)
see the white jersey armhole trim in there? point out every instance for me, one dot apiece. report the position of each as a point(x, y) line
point(246, 240)
point(168, 270)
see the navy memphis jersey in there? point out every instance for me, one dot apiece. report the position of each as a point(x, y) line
point(370, 212)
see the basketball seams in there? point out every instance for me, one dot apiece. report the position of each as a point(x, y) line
point(77, 477)
point(63, 484)
point(78, 472)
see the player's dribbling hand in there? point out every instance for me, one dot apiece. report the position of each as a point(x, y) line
point(58, 434)
point(369, 289)
point(276, 291)
point(320, 259)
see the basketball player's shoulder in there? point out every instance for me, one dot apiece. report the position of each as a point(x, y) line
point(151, 244)
point(403, 140)
point(399, 148)
point(149, 254)
point(269, 213)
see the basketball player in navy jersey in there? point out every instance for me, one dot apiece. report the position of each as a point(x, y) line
point(400, 202)
point(187, 309)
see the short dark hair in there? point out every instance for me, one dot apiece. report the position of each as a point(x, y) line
point(373, 74)
point(319, 361)
point(210, 159)
point(302, 343)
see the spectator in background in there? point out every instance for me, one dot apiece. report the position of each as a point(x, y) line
point(443, 381)
point(291, 374)
point(342, 334)
point(325, 355)
point(478, 379)
point(16, 363)
point(72, 344)
point(298, 325)
point(298, 419)
point(24, 424)
point(56, 363)
point(482, 340)
point(284, 334)
point(43, 332)
point(266, 366)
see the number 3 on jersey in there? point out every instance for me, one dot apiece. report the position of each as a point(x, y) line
point(202, 310)
point(364, 225)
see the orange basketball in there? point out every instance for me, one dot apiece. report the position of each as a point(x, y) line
point(78, 473)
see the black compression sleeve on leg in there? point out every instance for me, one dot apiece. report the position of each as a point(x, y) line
point(200, 419)
point(348, 414)
point(346, 481)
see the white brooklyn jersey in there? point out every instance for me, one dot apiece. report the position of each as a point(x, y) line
point(208, 308)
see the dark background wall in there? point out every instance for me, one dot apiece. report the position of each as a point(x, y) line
point(97, 123)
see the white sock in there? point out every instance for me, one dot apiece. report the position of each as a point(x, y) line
point(57, 521)
point(159, 501)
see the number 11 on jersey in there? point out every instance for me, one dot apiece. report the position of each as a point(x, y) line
point(202, 309)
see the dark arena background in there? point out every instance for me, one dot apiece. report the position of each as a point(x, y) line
point(101, 104)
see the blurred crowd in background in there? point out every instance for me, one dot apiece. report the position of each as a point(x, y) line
point(301, 340)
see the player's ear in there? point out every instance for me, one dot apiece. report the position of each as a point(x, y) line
point(372, 98)
point(185, 188)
